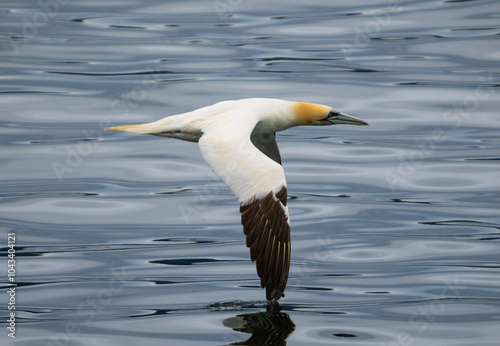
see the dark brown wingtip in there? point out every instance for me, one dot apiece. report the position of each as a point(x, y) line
point(273, 294)
point(265, 224)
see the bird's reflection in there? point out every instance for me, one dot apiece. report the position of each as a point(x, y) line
point(267, 328)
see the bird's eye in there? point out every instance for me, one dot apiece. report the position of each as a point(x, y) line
point(332, 114)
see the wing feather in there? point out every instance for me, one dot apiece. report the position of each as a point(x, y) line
point(270, 248)
point(259, 182)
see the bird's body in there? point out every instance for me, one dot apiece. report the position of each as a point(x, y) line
point(237, 139)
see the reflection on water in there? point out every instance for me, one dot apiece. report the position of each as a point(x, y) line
point(135, 241)
point(267, 328)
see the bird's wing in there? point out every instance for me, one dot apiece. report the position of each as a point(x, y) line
point(265, 223)
point(265, 141)
point(259, 182)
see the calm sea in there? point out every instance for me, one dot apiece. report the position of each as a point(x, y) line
point(132, 240)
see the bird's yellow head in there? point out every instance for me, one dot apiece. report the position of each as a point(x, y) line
point(316, 114)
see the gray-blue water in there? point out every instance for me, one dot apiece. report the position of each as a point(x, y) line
point(128, 240)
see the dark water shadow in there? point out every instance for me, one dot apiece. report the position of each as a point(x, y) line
point(267, 328)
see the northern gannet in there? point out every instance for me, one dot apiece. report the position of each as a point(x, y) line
point(237, 140)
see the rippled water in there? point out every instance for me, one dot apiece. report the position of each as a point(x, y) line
point(126, 240)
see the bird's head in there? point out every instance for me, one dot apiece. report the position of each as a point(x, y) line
point(316, 114)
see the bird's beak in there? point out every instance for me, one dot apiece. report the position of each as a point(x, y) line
point(342, 118)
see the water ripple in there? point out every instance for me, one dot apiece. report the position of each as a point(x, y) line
point(394, 232)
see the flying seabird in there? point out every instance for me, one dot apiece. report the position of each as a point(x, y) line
point(237, 140)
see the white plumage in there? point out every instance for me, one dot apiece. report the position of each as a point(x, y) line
point(237, 140)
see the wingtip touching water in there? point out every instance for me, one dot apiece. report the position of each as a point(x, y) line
point(237, 139)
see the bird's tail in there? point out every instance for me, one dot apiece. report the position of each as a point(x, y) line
point(147, 128)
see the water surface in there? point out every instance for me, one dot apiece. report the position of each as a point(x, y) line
point(126, 240)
